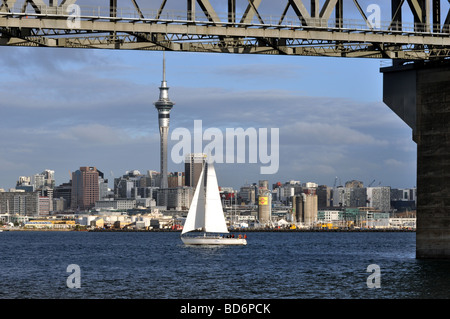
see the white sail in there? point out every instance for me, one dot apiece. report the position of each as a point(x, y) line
point(214, 218)
point(206, 213)
point(196, 215)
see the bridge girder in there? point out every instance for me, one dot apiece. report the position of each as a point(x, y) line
point(313, 32)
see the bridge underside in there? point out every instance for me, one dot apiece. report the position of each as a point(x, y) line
point(316, 28)
point(420, 95)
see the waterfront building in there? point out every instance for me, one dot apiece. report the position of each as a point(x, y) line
point(49, 224)
point(371, 217)
point(330, 218)
point(164, 105)
point(85, 188)
point(351, 217)
point(116, 204)
point(402, 223)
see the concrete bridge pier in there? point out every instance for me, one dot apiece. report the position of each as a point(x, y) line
point(420, 94)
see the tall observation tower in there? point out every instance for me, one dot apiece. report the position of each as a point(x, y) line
point(164, 105)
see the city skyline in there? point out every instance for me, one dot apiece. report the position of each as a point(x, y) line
point(93, 108)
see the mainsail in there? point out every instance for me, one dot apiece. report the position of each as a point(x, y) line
point(214, 219)
point(206, 212)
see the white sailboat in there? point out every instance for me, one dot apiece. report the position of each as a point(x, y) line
point(206, 214)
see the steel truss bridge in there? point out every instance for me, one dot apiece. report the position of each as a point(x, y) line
point(316, 28)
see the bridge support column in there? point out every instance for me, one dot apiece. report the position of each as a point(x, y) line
point(420, 95)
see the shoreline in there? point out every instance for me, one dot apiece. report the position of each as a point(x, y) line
point(267, 230)
point(231, 231)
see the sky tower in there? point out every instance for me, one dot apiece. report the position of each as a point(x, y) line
point(164, 105)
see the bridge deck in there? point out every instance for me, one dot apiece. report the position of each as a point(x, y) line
point(208, 31)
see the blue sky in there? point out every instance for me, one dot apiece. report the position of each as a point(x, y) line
point(66, 108)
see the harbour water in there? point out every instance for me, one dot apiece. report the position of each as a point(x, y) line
point(149, 265)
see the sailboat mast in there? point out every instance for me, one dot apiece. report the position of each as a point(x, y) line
point(205, 174)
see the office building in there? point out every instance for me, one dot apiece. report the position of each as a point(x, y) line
point(193, 166)
point(64, 191)
point(379, 198)
point(20, 202)
point(178, 198)
point(324, 198)
point(176, 179)
point(85, 188)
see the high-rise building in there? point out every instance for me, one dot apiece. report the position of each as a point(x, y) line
point(64, 191)
point(297, 208)
point(49, 178)
point(164, 105)
point(355, 196)
point(379, 198)
point(247, 195)
point(323, 196)
point(20, 202)
point(128, 185)
point(193, 165)
point(176, 179)
point(85, 188)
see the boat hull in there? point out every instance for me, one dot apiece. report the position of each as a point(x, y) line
point(217, 240)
